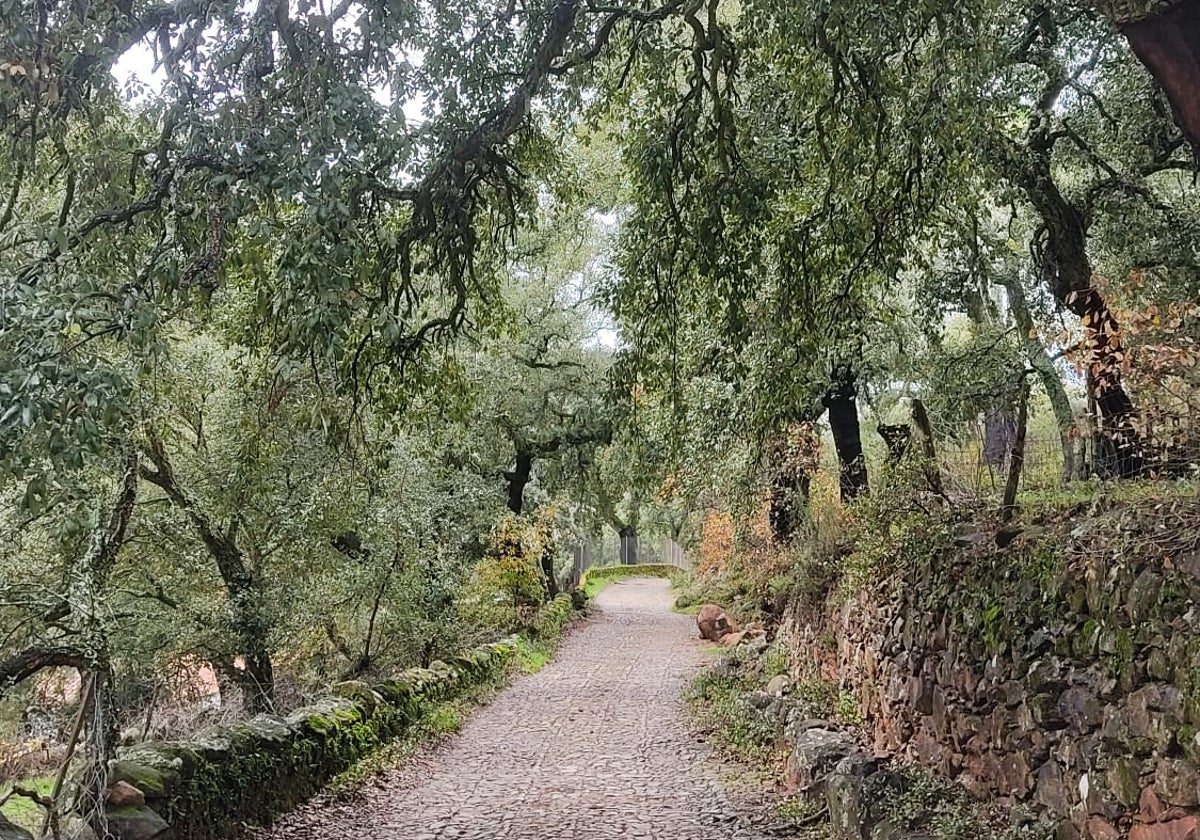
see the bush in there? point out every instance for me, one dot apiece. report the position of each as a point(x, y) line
point(507, 585)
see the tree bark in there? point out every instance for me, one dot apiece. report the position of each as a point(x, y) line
point(841, 400)
point(929, 462)
point(517, 479)
point(896, 438)
point(1043, 365)
point(23, 665)
point(629, 545)
point(549, 575)
point(1016, 459)
point(1068, 271)
point(1167, 41)
point(786, 506)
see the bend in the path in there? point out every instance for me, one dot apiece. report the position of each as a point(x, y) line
point(595, 745)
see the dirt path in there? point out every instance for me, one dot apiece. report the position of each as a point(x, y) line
point(593, 746)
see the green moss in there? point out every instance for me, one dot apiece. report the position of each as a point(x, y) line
point(229, 777)
point(25, 812)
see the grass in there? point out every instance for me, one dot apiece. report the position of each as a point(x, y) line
point(22, 811)
point(440, 722)
point(533, 656)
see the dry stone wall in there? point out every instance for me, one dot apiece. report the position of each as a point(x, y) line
point(227, 777)
point(1071, 683)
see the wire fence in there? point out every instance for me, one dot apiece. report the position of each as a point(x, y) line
point(611, 549)
point(971, 466)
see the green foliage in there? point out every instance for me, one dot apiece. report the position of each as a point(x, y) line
point(717, 702)
point(927, 803)
point(507, 585)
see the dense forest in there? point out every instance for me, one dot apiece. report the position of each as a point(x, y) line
point(337, 336)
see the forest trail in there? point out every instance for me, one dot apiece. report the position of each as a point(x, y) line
point(595, 745)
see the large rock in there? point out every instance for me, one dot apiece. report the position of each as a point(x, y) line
point(714, 624)
point(815, 753)
point(137, 823)
point(778, 685)
point(123, 794)
point(846, 798)
point(1177, 782)
point(1187, 828)
point(8, 831)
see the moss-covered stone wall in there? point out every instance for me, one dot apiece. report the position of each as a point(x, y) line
point(605, 574)
point(227, 777)
point(1062, 670)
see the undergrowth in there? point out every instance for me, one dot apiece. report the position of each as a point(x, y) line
point(439, 722)
point(716, 701)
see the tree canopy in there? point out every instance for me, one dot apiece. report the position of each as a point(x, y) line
point(329, 332)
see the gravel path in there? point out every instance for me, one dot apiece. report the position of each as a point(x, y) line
point(594, 745)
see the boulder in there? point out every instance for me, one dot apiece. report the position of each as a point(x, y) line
point(122, 793)
point(846, 799)
point(778, 685)
point(9, 831)
point(731, 640)
point(815, 753)
point(76, 828)
point(137, 823)
point(714, 624)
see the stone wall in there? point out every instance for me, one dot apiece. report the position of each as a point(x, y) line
point(226, 777)
point(1049, 672)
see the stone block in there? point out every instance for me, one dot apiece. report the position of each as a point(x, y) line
point(814, 754)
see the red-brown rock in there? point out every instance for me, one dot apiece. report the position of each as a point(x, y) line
point(124, 795)
point(713, 623)
point(1187, 828)
point(1099, 828)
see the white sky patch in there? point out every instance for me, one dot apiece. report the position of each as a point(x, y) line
point(608, 338)
point(137, 75)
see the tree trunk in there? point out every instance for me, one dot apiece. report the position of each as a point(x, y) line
point(246, 611)
point(256, 677)
point(1069, 272)
point(1106, 355)
point(1016, 459)
point(786, 506)
point(548, 574)
point(1043, 365)
point(629, 545)
point(517, 478)
point(841, 401)
point(1167, 41)
point(929, 462)
point(896, 438)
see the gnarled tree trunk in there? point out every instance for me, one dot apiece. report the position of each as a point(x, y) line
point(1068, 271)
point(841, 400)
point(518, 478)
point(1166, 38)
